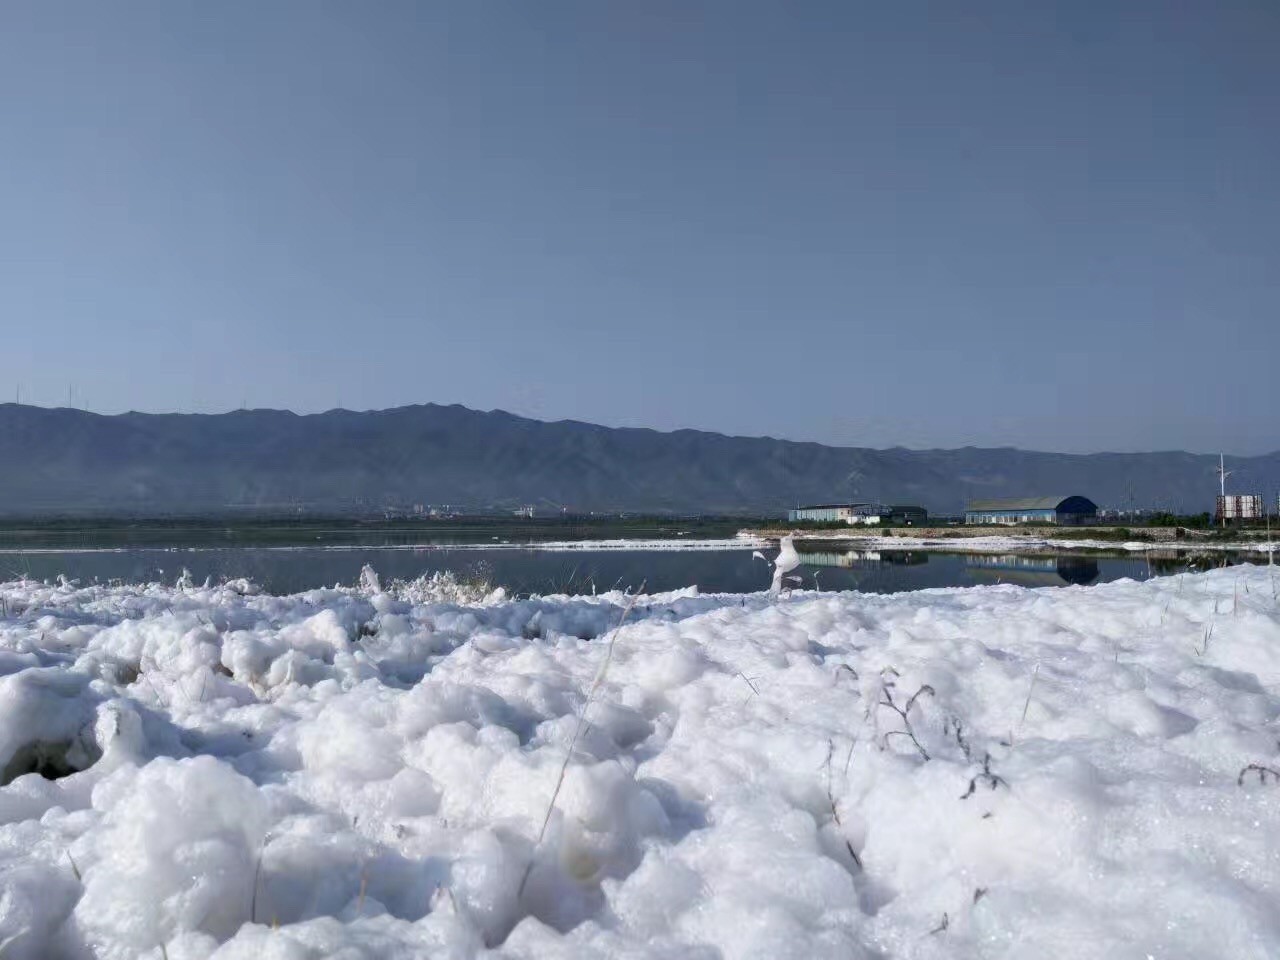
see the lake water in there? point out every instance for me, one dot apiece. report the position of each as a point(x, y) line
point(520, 570)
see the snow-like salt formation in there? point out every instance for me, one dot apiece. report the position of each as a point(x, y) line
point(985, 772)
point(786, 561)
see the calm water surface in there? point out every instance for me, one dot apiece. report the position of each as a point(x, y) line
point(582, 571)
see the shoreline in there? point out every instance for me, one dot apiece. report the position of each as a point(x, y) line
point(984, 540)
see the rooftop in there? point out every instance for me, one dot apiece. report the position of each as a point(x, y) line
point(1019, 503)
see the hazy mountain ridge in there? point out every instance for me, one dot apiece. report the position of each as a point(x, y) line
point(67, 461)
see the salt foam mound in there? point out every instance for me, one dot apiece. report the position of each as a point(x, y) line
point(993, 772)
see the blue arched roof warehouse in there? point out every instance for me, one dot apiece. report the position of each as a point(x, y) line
point(1011, 510)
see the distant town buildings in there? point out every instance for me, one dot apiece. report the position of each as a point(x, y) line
point(1065, 511)
point(1128, 514)
point(867, 514)
point(908, 515)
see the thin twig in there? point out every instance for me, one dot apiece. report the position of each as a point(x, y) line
point(852, 672)
point(577, 732)
point(1261, 770)
point(1035, 674)
point(992, 779)
point(257, 876)
point(958, 726)
point(1208, 635)
point(886, 690)
point(835, 813)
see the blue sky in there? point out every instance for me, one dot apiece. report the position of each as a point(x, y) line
point(1052, 226)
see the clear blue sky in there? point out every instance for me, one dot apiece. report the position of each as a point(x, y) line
point(1054, 226)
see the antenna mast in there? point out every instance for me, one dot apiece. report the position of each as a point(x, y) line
point(1223, 473)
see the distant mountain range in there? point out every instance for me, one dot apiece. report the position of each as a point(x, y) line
point(67, 461)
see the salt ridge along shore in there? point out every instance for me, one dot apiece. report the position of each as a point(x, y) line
point(982, 772)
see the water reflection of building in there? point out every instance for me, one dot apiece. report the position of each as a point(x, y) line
point(843, 558)
point(904, 558)
point(849, 559)
point(1165, 562)
point(1031, 571)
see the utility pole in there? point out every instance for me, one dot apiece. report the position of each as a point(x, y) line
point(1223, 473)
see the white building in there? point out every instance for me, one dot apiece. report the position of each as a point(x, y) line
point(850, 513)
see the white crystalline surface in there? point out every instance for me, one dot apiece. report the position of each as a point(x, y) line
point(343, 773)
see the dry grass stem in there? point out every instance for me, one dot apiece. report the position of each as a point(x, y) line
point(1026, 705)
point(577, 732)
point(831, 799)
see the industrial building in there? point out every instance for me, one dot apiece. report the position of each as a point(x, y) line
point(866, 514)
point(908, 515)
point(1066, 511)
point(850, 513)
point(1239, 506)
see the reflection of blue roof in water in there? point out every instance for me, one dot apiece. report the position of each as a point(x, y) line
point(1038, 571)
